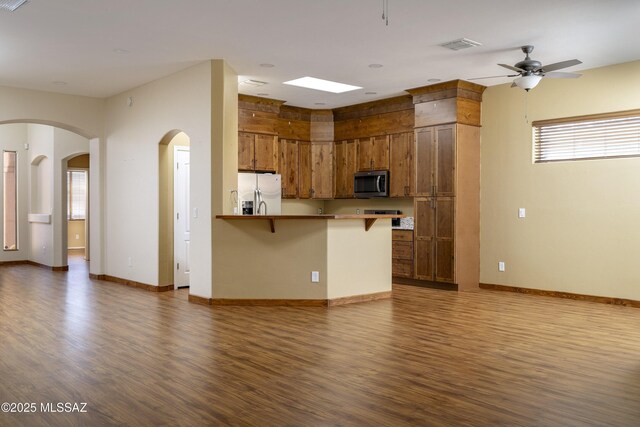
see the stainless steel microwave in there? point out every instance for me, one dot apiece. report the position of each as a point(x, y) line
point(371, 184)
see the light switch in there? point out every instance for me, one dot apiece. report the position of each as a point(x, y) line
point(521, 213)
point(195, 212)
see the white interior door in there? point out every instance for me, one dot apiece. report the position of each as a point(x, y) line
point(182, 228)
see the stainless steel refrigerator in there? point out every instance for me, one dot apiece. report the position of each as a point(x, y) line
point(259, 193)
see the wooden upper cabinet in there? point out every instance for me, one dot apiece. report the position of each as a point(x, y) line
point(402, 165)
point(266, 153)
point(436, 161)
point(345, 166)
point(373, 153)
point(288, 167)
point(245, 151)
point(322, 170)
point(257, 152)
point(304, 170)
point(445, 160)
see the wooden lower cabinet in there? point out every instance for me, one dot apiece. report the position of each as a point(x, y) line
point(402, 253)
point(434, 239)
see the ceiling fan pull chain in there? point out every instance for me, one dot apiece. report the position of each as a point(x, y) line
point(385, 12)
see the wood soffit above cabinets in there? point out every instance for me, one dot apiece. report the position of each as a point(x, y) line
point(400, 105)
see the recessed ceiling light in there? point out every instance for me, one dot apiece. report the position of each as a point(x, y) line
point(433, 80)
point(263, 94)
point(320, 84)
point(254, 83)
point(120, 51)
point(371, 93)
point(59, 83)
point(375, 65)
point(460, 44)
point(11, 5)
point(319, 103)
point(267, 65)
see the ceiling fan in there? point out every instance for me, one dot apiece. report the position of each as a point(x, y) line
point(529, 72)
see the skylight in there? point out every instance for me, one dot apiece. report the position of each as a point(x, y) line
point(319, 84)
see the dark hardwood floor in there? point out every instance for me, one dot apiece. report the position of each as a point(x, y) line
point(425, 357)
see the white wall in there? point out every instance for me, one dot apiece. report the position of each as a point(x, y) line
point(12, 138)
point(50, 148)
point(581, 231)
point(181, 101)
point(83, 115)
point(41, 159)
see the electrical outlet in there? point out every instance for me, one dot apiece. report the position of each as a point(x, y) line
point(501, 266)
point(319, 211)
point(522, 213)
point(77, 237)
point(357, 211)
point(315, 276)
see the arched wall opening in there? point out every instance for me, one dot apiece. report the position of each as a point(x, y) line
point(42, 194)
point(166, 223)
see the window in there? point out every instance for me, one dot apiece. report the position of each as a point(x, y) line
point(76, 194)
point(10, 201)
point(587, 137)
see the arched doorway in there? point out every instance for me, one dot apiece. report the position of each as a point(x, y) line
point(174, 215)
point(42, 195)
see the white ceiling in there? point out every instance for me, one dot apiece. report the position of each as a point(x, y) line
point(76, 42)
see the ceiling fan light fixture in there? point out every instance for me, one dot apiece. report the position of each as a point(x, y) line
point(528, 82)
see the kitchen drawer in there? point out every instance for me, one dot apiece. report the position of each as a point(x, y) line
point(402, 250)
point(402, 235)
point(402, 268)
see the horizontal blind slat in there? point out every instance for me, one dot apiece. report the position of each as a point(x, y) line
point(611, 137)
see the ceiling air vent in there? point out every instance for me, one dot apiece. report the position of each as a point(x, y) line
point(11, 5)
point(254, 83)
point(460, 44)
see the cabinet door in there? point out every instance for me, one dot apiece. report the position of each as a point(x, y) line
point(425, 161)
point(373, 153)
point(444, 239)
point(380, 153)
point(245, 151)
point(445, 160)
point(365, 154)
point(401, 164)
point(265, 153)
point(424, 238)
point(322, 170)
point(344, 167)
point(304, 169)
point(288, 168)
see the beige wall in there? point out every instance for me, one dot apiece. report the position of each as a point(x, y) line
point(255, 263)
point(581, 231)
point(76, 228)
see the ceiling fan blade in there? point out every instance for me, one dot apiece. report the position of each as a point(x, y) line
point(559, 65)
point(494, 77)
point(561, 75)
point(512, 68)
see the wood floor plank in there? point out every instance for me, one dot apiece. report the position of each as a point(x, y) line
point(424, 357)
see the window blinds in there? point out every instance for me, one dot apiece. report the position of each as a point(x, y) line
point(595, 137)
point(77, 194)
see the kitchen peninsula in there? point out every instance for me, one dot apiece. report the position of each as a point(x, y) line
point(313, 260)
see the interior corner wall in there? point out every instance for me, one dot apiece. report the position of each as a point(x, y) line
point(581, 233)
point(181, 101)
point(12, 138)
point(224, 163)
point(65, 145)
point(41, 145)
